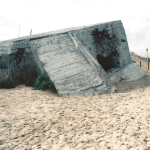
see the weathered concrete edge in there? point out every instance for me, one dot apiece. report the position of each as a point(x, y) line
point(41, 35)
point(97, 67)
point(118, 74)
point(37, 61)
point(88, 56)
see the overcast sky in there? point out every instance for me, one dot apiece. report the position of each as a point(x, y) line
point(48, 15)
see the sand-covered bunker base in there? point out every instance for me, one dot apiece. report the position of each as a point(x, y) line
point(34, 119)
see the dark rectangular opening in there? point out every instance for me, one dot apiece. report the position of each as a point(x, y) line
point(106, 62)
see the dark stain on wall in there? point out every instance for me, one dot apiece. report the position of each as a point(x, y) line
point(104, 40)
point(23, 65)
point(106, 46)
point(18, 56)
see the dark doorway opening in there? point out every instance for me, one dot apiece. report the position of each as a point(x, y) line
point(106, 62)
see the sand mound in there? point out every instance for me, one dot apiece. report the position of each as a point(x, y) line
point(33, 119)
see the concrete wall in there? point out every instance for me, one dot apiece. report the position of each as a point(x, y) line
point(96, 66)
point(67, 67)
point(5, 49)
point(23, 66)
point(70, 62)
point(39, 66)
point(4, 74)
point(84, 36)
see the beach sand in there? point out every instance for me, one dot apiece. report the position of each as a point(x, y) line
point(33, 119)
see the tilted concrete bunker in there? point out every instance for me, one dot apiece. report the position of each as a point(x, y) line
point(80, 61)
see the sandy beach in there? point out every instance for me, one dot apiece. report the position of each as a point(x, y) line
point(41, 120)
